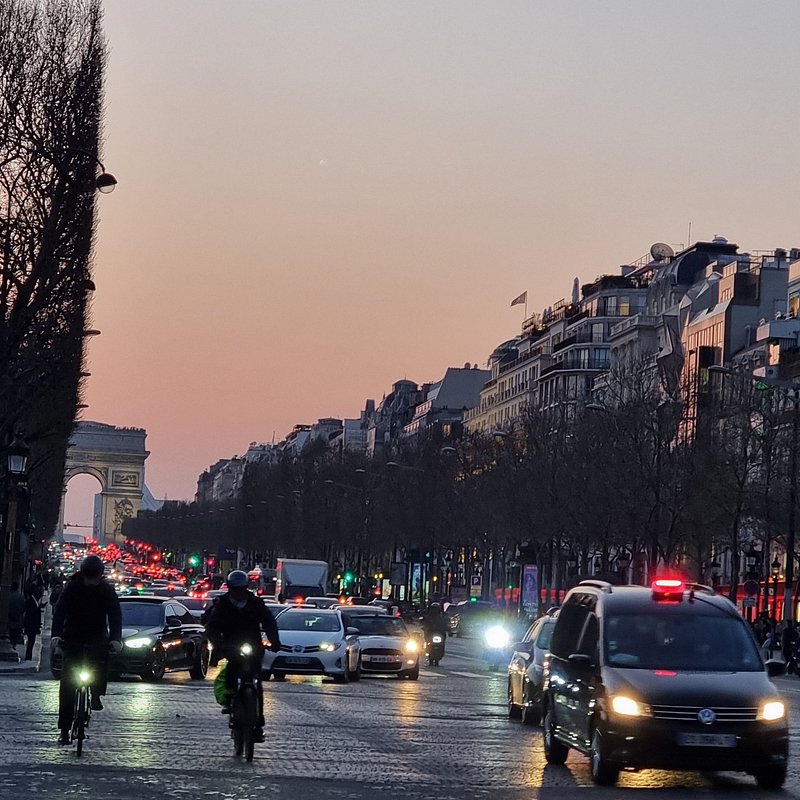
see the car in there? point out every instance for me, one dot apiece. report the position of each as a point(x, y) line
point(470, 618)
point(662, 677)
point(321, 602)
point(387, 646)
point(314, 641)
point(526, 671)
point(196, 605)
point(158, 635)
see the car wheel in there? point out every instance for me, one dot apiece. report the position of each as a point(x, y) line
point(514, 711)
point(531, 709)
point(554, 751)
point(771, 777)
point(413, 675)
point(604, 773)
point(157, 669)
point(355, 675)
point(199, 669)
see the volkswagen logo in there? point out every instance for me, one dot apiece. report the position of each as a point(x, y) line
point(299, 649)
point(706, 716)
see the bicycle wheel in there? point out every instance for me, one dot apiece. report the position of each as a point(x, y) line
point(81, 708)
point(245, 713)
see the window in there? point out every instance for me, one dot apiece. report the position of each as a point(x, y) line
point(611, 306)
point(591, 633)
point(569, 627)
point(794, 305)
point(624, 306)
point(597, 332)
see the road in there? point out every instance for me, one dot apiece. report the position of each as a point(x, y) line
point(445, 736)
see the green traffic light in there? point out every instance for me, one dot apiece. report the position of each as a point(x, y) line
point(348, 577)
point(194, 560)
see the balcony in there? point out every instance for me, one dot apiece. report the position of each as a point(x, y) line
point(577, 365)
point(637, 321)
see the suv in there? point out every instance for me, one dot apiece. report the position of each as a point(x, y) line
point(668, 677)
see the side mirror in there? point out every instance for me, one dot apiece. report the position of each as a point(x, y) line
point(352, 631)
point(581, 660)
point(775, 668)
point(523, 649)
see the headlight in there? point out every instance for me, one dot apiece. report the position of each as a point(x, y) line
point(436, 639)
point(246, 649)
point(412, 646)
point(142, 641)
point(628, 707)
point(84, 676)
point(771, 711)
point(497, 637)
point(328, 647)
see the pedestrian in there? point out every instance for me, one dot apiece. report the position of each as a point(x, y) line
point(55, 592)
point(16, 608)
point(32, 621)
point(761, 627)
point(789, 646)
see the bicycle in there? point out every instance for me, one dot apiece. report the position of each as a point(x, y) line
point(244, 716)
point(83, 708)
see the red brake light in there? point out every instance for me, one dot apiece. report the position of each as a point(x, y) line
point(665, 673)
point(669, 590)
point(667, 583)
point(298, 600)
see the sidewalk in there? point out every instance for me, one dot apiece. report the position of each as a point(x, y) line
point(42, 644)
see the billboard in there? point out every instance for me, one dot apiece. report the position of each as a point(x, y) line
point(530, 588)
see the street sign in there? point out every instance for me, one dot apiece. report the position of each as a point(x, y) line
point(750, 588)
point(476, 580)
point(475, 586)
point(749, 602)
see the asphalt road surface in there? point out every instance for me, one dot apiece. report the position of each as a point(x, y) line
point(445, 736)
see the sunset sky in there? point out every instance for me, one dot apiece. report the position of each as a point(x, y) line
point(317, 199)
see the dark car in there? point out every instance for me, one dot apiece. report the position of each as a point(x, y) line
point(158, 635)
point(526, 671)
point(667, 677)
point(470, 618)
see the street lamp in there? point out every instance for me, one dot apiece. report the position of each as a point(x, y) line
point(16, 467)
point(776, 570)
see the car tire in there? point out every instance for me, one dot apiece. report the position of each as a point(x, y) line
point(355, 675)
point(156, 671)
point(514, 711)
point(531, 709)
point(555, 752)
point(199, 668)
point(413, 675)
point(604, 772)
point(771, 777)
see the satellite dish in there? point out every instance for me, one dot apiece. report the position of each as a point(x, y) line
point(659, 251)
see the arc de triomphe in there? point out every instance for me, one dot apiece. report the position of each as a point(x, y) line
point(115, 456)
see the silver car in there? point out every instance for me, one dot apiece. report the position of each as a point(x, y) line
point(526, 671)
point(314, 641)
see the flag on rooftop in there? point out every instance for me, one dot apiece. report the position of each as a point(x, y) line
point(523, 298)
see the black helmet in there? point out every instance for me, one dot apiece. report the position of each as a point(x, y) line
point(92, 567)
point(238, 579)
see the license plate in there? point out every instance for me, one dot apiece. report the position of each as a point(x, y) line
point(293, 660)
point(381, 659)
point(707, 740)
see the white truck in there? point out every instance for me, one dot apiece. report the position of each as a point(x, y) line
point(300, 578)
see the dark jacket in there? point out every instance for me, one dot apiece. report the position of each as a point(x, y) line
point(32, 616)
point(87, 614)
point(434, 622)
point(231, 626)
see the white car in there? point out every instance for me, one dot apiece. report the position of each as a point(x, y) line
point(387, 646)
point(314, 641)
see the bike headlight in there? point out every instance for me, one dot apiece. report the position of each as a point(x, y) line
point(771, 711)
point(246, 649)
point(139, 642)
point(436, 639)
point(84, 676)
point(412, 646)
point(497, 637)
point(628, 707)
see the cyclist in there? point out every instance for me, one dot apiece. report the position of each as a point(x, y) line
point(86, 620)
point(238, 618)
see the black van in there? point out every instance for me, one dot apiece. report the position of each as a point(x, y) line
point(668, 677)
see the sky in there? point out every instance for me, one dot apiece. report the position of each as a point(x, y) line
point(317, 199)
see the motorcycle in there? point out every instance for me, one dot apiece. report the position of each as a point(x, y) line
point(497, 642)
point(434, 649)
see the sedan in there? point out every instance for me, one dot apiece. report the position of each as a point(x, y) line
point(160, 635)
point(526, 671)
point(387, 646)
point(314, 642)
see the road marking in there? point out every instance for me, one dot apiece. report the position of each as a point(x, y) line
point(427, 674)
point(468, 674)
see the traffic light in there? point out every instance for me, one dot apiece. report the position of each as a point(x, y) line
point(211, 562)
point(193, 560)
point(348, 577)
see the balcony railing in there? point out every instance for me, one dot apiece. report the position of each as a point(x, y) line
point(640, 320)
point(577, 365)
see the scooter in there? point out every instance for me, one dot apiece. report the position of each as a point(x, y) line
point(434, 649)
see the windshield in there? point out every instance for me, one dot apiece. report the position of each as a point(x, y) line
point(302, 621)
point(677, 640)
point(142, 615)
point(194, 603)
point(379, 626)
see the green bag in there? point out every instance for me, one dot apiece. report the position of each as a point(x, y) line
point(220, 690)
